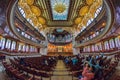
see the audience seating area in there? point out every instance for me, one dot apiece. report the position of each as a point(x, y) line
point(23, 68)
point(37, 68)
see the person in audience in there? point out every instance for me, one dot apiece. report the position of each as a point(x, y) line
point(85, 67)
point(84, 60)
point(74, 60)
point(66, 60)
point(101, 54)
point(97, 56)
point(92, 61)
point(88, 73)
point(101, 62)
point(46, 62)
point(22, 62)
point(98, 70)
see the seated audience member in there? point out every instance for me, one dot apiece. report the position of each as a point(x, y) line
point(66, 60)
point(88, 58)
point(98, 70)
point(101, 62)
point(97, 56)
point(86, 67)
point(88, 73)
point(102, 54)
point(92, 61)
point(46, 62)
point(74, 61)
point(22, 62)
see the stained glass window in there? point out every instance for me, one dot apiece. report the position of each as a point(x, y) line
point(60, 9)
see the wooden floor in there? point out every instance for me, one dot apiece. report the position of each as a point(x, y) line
point(60, 73)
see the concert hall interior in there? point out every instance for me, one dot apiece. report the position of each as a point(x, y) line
point(59, 39)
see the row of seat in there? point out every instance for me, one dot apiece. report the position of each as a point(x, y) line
point(25, 71)
point(41, 63)
point(14, 73)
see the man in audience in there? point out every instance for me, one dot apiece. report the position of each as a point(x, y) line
point(92, 61)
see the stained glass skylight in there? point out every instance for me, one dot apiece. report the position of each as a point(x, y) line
point(60, 9)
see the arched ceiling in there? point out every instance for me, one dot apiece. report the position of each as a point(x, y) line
point(68, 14)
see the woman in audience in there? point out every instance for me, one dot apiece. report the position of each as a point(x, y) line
point(88, 73)
point(86, 67)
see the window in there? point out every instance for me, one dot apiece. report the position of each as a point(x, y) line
point(2, 43)
point(96, 47)
point(99, 45)
point(93, 49)
point(13, 45)
point(22, 12)
point(23, 48)
point(20, 47)
point(8, 44)
point(112, 45)
point(6, 29)
point(27, 48)
point(26, 35)
point(117, 42)
point(89, 21)
point(106, 44)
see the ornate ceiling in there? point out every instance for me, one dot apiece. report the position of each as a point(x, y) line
point(68, 14)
